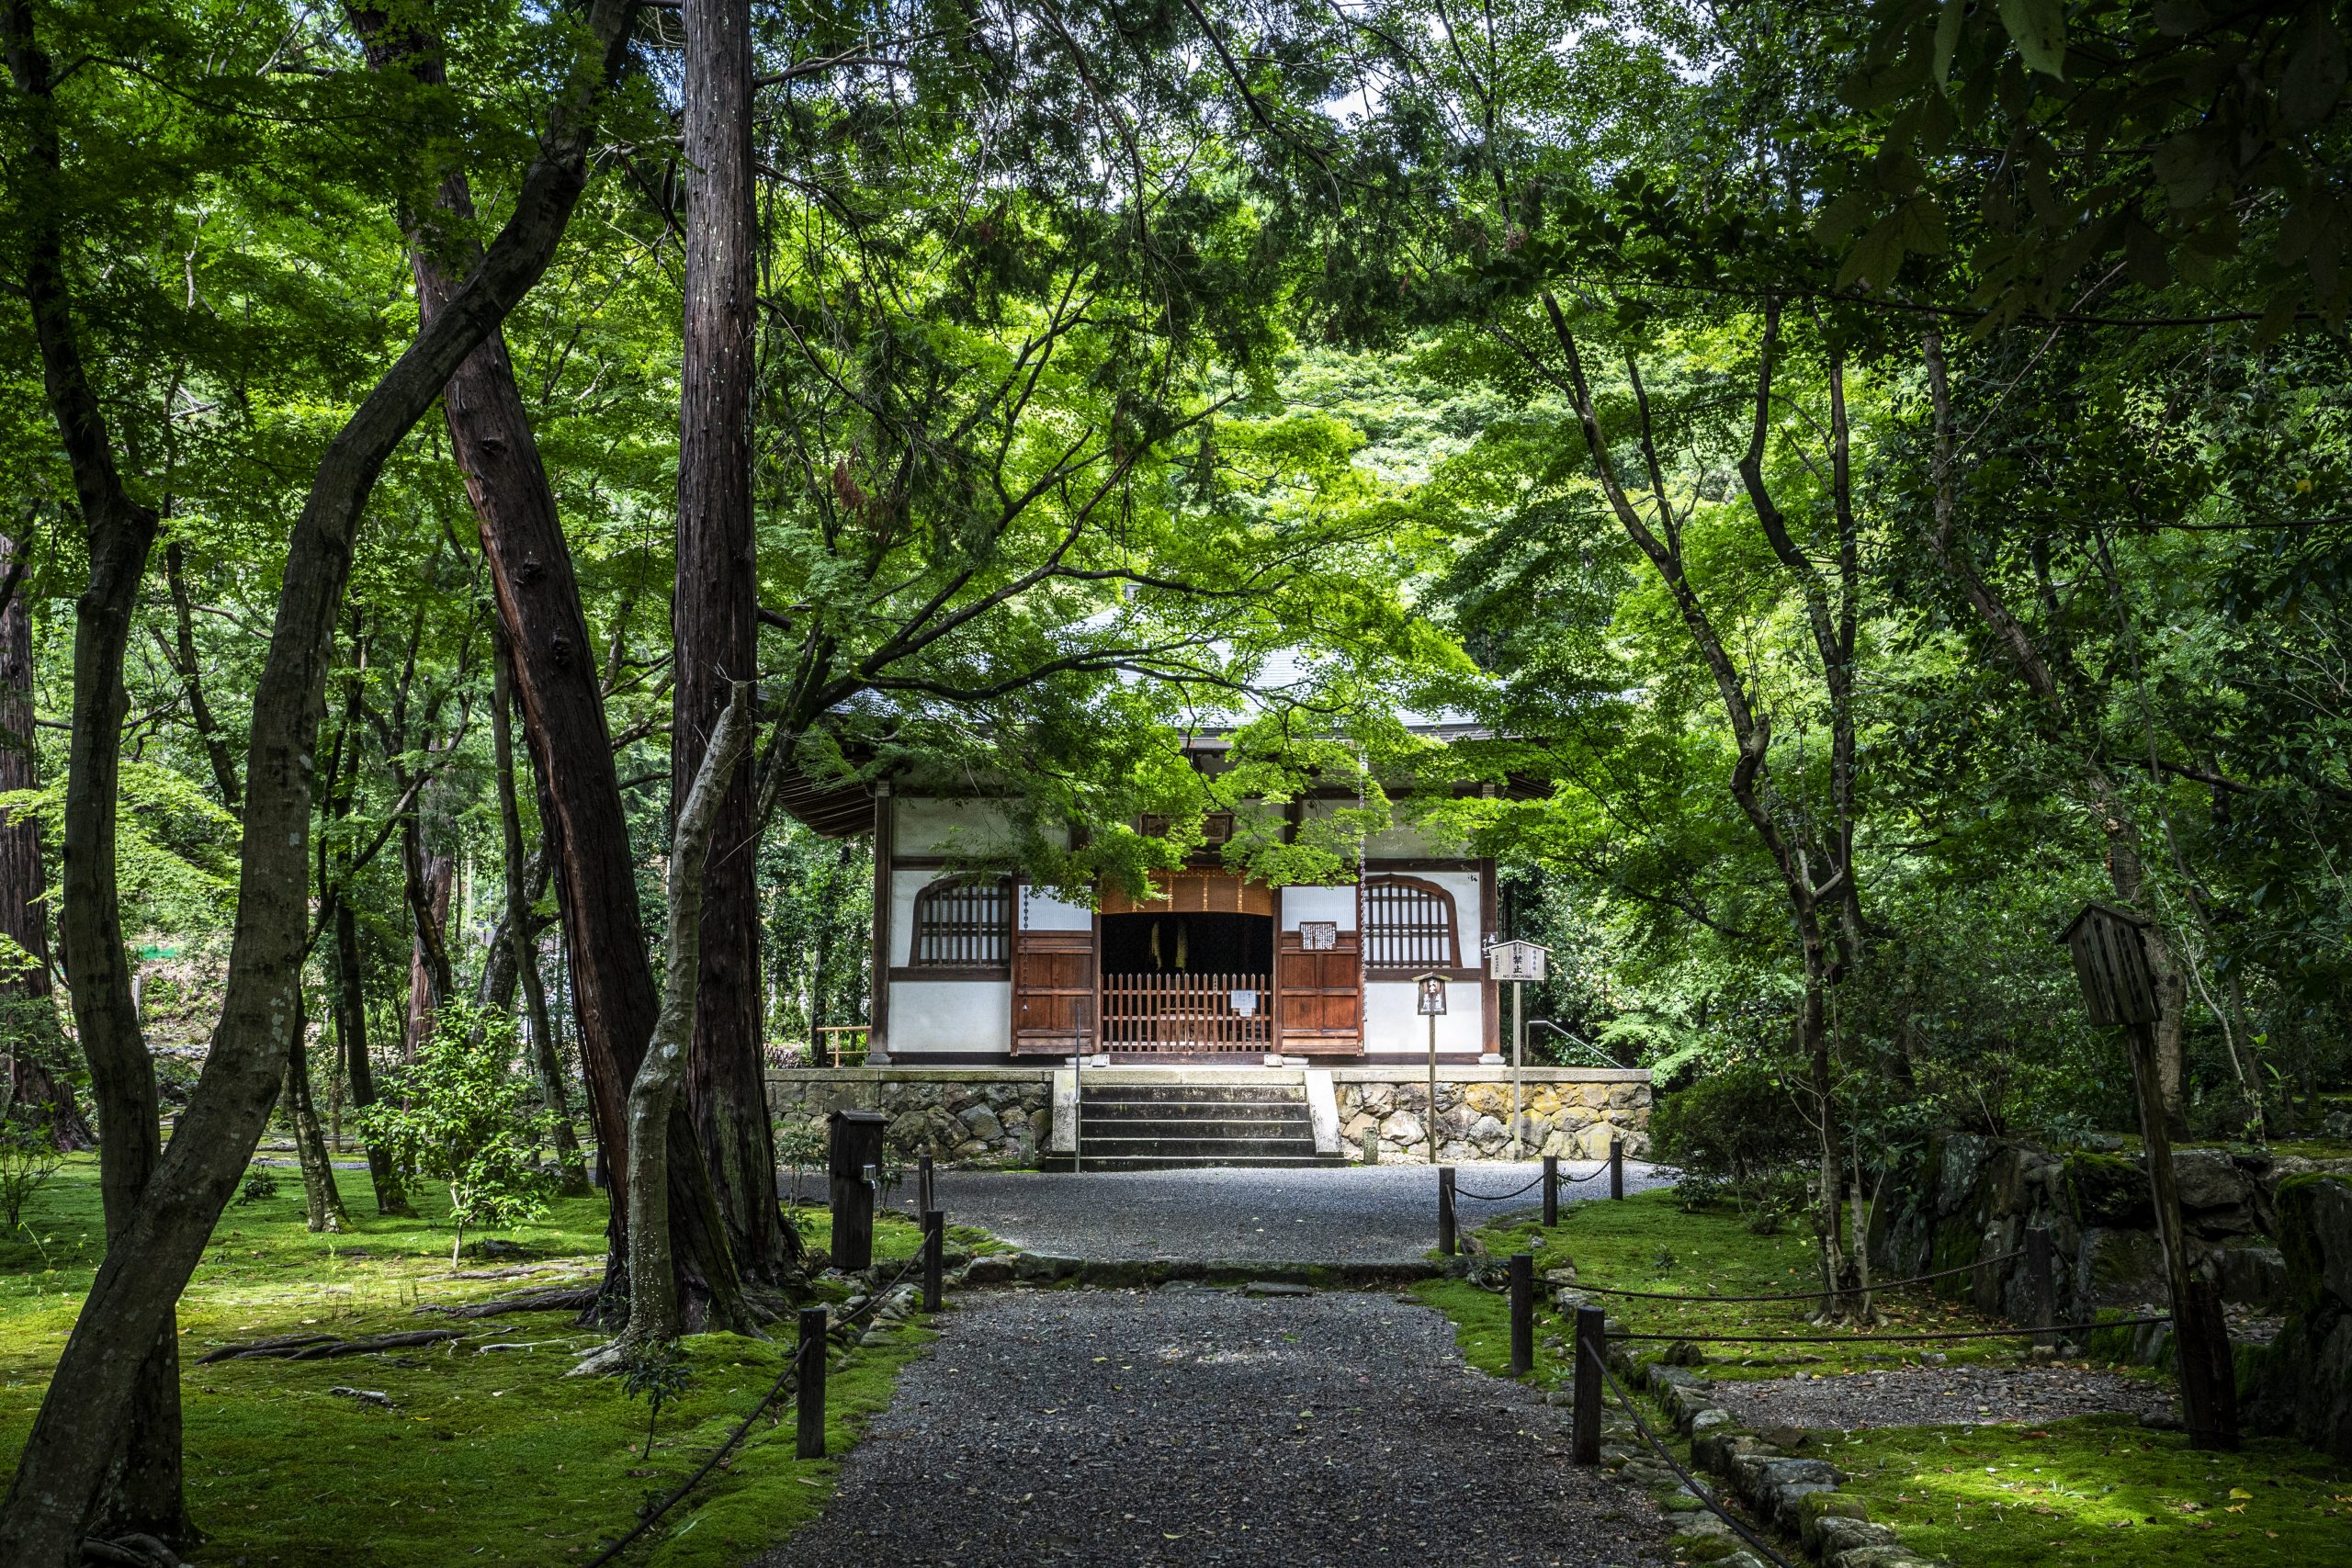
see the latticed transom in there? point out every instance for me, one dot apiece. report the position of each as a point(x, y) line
point(1408, 924)
point(962, 921)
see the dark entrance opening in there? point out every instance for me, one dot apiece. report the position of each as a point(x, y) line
point(1192, 985)
point(1192, 945)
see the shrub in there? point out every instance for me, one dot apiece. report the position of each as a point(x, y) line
point(29, 1158)
point(468, 1123)
point(1737, 1133)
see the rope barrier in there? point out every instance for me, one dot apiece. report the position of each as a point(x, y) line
point(1459, 1192)
point(2021, 1333)
point(1626, 1401)
point(1809, 1295)
point(790, 1367)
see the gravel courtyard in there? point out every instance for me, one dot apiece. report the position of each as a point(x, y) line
point(1189, 1426)
point(1930, 1396)
point(1382, 1213)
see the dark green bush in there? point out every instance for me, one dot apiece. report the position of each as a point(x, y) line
point(1737, 1133)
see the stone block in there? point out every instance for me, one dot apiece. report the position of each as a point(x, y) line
point(1403, 1127)
point(2209, 1179)
point(2120, 1267)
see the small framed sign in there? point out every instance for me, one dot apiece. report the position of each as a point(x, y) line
point(1517, 960)
point(1319, 936)
point(1244, 1003)
point(1431, 999)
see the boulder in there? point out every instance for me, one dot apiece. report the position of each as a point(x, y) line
point(1403, 1128)
point(2120, 1267)
point(981, 1123)
point(1488, 1134)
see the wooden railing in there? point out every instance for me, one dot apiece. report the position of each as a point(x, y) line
point(1205, 1014)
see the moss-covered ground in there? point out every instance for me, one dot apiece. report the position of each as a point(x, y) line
point(2097, 1490)
point(1646, 1241)
point(483, 1455)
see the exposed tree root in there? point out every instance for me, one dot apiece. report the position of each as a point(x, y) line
point(130, 1551)
point(324, 1347)
point(560, 1298)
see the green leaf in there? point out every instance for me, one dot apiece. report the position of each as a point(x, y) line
point(2313, 79)
point(2038, 30)
point(1947, 22)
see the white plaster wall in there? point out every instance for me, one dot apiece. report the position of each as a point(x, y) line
point(904, 885)
point(1391, 1027)
point(1463, 885)
point(1334, 904)
point(1041, 912)
point(950, 1015)
point(977, 830)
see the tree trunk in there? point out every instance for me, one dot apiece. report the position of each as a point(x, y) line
point(128, 1479)
point(653, 1291)
point(322, 1200)
point(583, 818)
point(432, 878)
point(2057, 685)
point(350, 987)
point(37, 1047)
point(124, 1340)
point(522, 945)
point(715, 622)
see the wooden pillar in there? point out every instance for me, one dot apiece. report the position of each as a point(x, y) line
point(877, 1029)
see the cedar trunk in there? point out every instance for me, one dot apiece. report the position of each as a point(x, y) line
point(715, 623)
point(585, 823)
point(36, 1046)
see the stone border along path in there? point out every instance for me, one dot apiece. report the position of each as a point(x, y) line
point(1383, 1213)
point(1190, 1426)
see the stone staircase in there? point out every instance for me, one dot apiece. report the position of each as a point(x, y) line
point(1146, 1126)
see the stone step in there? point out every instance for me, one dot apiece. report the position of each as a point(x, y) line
point(1094, 1127)
point(1202, 1147)
point(1095, 1162)
point(1294, 1094)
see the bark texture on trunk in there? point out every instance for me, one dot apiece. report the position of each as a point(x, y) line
point(90, 1405)
point(432, 878)
point(715, 622)
point(586, 824)
point(129, 1477)
point(321, 1200)
point(653, 1293)
point(350, 989)
point(521, 945)
point(36, 1046)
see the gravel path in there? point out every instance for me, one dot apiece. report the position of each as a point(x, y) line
point(1190, 1426)
point(1947, 1396)
point(1337, 1214)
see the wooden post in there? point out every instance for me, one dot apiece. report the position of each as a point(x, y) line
point(1522, 1314)
point(2206, 1339)
point(1584, 1427)
point(1551, 1191)
point(1616, 1167)
point(810, 1389)
point(2038, 1281)
point(924, 1195)
point(856, 1146)
point(2111, 965)
point(1518, 1054)
point(934, 1262)
point(1433, 1097)
point(1445, 1209)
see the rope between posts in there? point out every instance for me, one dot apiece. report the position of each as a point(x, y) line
point(791, 1367)
point(1807, 1295)
point(2019, 1333)
point(1460, 1191)
point(1592, 1353)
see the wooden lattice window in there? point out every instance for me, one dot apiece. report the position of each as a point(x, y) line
point(1409, 924)
point(963, 922)
point(1216, 828)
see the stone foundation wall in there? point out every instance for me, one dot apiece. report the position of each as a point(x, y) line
point(984, 1117)
point(1568, 1112)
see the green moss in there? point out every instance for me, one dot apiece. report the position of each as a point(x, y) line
point(2099, 1490)
point(498, 1450)
point(1712, 1253)
point(1482, 1329)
